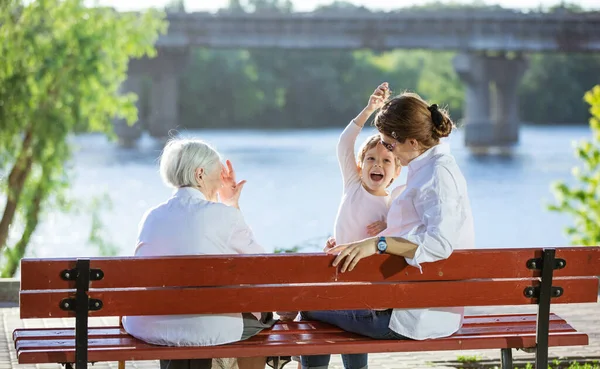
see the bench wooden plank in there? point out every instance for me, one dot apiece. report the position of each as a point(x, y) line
point(330, 296)
point(515, 320)
point(328, 334)
point(148, 352)
point(197, 271)
point(114, 344)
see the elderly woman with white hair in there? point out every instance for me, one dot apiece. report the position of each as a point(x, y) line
point(202, 217)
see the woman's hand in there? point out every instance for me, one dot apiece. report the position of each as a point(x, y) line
point(379, 96)
point(353, 252)
point(375, 228)
point(230, 192)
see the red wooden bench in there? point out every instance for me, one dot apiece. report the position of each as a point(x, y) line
point(58, 288)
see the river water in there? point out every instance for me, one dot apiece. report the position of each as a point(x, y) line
point(294, 187)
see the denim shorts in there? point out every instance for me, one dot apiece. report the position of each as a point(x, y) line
point(370, 323)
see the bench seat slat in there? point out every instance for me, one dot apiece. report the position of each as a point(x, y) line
point(284, 337)
point(330, 296)
point(37, 274)
point(479, 322)
point(148, 352)
point(114, 344)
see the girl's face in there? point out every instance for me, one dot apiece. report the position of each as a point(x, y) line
point(406, 151)
point(378, 169)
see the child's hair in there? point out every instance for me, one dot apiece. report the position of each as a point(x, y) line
point(409, 116)
point(370, 143)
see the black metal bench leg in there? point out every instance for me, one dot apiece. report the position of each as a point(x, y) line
point(506, 358)
point(543, 316)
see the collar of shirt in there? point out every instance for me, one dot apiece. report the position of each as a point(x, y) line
point(189, 192)
point(418, 162)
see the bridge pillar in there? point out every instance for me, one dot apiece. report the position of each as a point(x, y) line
point(126, 134)
point(163, 112)
point(164, 94)
point(491, 105)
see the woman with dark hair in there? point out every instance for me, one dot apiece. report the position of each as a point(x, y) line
point(432, 216)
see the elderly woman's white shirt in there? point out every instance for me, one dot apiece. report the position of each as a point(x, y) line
point(433, 212)
point(188, 224)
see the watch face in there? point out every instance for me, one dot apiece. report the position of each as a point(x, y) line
point(381, 246)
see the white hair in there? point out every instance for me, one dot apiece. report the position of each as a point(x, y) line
point(180, 159)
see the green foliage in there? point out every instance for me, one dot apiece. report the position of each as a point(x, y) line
point(61, 70)
point(312, 245)
point(551, 89)
point(557, 364)
point(98, 238)
point(468, 359)
point(291, 250)
point(298, 88)
point(582, 201)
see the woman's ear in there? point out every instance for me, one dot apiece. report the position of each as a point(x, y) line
point(198, 175)
point(414, 144)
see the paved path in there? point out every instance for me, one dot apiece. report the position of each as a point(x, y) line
point(584, 317)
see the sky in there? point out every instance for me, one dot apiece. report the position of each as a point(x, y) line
point(308, 5)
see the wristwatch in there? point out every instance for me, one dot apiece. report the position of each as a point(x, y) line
point(381, 245)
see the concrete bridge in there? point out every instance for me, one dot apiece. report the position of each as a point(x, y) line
point(491, 59)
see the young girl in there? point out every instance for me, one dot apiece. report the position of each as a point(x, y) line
point(365, 200)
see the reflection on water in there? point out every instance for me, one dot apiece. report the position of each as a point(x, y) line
point(294, 187)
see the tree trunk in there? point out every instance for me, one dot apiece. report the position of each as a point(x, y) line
point(32, 219)
point(16, 180)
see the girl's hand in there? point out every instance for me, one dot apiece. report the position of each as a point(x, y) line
point(379, 96)
point(353, 252)
point(230, 192)
point(375, 228)
point(330, 244)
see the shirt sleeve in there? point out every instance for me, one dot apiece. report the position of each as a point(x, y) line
point(345, 153)
point(398, 191)
point(242, 237)
point(442, 209)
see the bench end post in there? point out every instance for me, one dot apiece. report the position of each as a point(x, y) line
point(543, 315)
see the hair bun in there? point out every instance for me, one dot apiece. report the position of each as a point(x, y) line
point(442, 124)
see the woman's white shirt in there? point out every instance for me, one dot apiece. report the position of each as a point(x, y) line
point(433, 212)
point(358, 207)
point(188, 224)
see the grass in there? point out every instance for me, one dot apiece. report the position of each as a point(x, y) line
point(556, 364)
point(471, 362)
point(468, 359)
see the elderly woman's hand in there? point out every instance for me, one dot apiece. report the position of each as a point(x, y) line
point(230, 192)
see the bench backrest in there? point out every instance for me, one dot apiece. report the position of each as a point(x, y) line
point(288, 282)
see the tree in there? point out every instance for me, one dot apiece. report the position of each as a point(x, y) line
point(551, 89)
point(582, 201)
point(61, 70)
